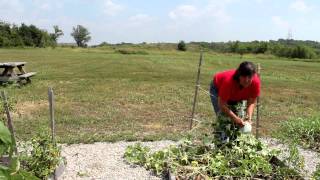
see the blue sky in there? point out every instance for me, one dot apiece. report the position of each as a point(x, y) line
point(137, 21)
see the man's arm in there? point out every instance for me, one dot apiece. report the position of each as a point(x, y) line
point(251, 103)
point(224, 108)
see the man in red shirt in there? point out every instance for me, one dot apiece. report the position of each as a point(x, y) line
point(228, 91)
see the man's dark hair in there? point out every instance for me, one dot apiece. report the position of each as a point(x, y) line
point(246, 68)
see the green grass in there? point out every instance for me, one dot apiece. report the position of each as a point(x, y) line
point(103, 95)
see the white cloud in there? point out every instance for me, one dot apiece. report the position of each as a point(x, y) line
point(300, 6)
point(141, 18)
point(213, 9)
point(111, 8)
point(14, 6)
point(184, 11)
point(217, 9)
point(47, 5)
point(11, 11)
point(278, 21)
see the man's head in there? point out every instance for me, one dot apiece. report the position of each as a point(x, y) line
point(245, 73)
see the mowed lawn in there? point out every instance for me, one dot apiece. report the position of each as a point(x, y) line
point(102, 95)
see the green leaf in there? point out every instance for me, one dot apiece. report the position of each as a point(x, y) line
point(5, 135)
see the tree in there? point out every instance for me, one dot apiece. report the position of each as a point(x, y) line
point(5, 34)
point(25, 34)
point(182, 46)
point(241, 49)
point(80, 35)
point(16, 39)
point(234, 47)
point(57, 33)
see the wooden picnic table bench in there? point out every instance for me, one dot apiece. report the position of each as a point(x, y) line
point(10, 75)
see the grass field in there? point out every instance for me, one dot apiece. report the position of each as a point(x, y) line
point(103, 95)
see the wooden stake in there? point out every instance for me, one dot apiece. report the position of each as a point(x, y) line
point(196, 90)
point(258, 107)
point(52, 124)
point(51, 107)
point(10, 124)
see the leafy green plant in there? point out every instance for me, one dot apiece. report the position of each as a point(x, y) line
point(11, 106)
point(137, 154)
point(44, 156)
point(5, 139)
point(244, 157)
point(305, 131)
point(13, 171)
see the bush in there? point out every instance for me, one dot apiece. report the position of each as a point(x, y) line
point(182, 46)
point(126, 51)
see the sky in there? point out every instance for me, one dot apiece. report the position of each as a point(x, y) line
point(137, 21)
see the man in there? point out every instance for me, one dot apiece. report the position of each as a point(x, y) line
point(229, 91)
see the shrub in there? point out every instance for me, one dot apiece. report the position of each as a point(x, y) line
point(182, 46)
point(127, 51)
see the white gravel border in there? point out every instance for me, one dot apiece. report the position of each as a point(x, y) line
point(105, 160)
point(311, 158)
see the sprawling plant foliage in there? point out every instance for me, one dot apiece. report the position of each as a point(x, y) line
point(244, 157)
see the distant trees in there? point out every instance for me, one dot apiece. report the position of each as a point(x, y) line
point(182, 46)
point(81, 35)
point(297, 51)
point(24, 35)
point(281, 48)
point(12, 35)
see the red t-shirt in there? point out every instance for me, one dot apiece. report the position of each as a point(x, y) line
point(229, 89)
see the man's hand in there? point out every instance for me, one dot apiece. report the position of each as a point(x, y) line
point(239, 121)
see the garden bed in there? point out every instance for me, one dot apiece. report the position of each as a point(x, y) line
point(244, 157)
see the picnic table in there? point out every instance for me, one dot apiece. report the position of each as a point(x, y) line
point(10, 74)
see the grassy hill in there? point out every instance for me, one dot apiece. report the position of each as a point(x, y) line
point(133, 92)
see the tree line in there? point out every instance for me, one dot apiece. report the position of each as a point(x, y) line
point(282, 47)
point(27, 35)
point(12, 35)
